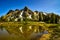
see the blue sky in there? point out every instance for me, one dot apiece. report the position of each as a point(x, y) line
point(40, 5)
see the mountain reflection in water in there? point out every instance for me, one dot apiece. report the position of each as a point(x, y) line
point(24, 32)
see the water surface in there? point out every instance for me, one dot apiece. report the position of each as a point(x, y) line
point(25, 32)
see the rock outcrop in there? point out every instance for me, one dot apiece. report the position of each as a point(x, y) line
point(26, 14)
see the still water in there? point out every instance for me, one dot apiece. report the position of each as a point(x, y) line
point(24, 32)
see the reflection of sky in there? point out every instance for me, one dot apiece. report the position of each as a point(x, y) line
point(40, 5)
point(3, 32)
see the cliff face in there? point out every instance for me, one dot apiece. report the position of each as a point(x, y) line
point(26, 14)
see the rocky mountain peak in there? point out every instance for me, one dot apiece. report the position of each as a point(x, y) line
point(27, 14)
point(25, 8)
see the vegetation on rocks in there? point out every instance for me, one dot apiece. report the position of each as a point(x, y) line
point(27, 15)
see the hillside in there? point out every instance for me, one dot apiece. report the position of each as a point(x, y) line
point(26, 14)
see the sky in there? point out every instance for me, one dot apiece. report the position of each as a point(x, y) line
point(40, 5)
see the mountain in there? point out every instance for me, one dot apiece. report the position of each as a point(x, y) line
point(26, 14)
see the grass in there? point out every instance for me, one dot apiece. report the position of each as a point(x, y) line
point(16, 24)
